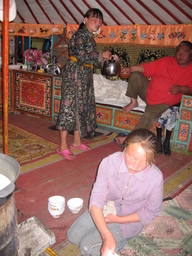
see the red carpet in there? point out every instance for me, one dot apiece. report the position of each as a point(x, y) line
point(66, 178)
point(31, 145)
point(71, 178)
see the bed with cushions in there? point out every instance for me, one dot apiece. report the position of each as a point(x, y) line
point(110, 91)
point(110, 96)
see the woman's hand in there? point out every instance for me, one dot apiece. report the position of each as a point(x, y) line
point(115, 57)
point(126, 70)
point(110, 218)
point(109, 244)
point(106, 55)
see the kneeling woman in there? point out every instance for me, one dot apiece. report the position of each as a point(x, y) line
point(126, 196)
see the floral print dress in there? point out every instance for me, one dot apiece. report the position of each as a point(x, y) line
point(77, 107)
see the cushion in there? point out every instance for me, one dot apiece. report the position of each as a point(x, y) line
point(113, 92)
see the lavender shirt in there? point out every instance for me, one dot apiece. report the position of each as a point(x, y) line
point(141, 192)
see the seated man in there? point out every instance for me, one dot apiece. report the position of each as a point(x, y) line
point(171, 77)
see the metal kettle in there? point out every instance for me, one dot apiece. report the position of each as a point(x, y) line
point(111, 68)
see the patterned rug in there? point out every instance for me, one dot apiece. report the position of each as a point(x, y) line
point(169, 235)
point(32, 151)
point(54, 157)
point(178, 181)
point(25, 146)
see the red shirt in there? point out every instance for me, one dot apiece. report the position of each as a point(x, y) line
point(165, 73)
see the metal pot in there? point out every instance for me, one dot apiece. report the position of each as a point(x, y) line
point(52, 69)
point(11, 169)
point(111, 68)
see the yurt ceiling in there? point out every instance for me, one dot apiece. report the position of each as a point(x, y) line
point(115, 12)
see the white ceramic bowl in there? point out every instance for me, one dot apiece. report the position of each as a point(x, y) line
point(56, 201)
point(75, 204)
point(56, 213)
point(56, 208)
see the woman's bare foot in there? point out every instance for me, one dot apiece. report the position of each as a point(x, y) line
point(130, 106)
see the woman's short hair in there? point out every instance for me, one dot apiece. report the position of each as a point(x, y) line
point(146, 139)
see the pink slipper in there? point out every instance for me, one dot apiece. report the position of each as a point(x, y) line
point(66, 153)
point(81, 147)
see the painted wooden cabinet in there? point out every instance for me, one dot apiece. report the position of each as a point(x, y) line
point(183, 132)
point(57, 81)
point(37, 93)
point(33, 93)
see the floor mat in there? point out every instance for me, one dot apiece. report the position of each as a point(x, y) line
point(24, 146)
point(32, 151)
point(96, 134)
point(51, 179)
point(178, 181)
point(170, 234)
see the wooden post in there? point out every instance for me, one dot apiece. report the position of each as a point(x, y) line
point(5, 73)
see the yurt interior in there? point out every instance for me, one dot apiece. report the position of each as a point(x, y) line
point(34, 40)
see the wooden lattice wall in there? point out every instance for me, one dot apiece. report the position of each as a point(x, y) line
point(130, 54)
point(60, 49)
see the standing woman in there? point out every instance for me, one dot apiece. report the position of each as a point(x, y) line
point(77, 108)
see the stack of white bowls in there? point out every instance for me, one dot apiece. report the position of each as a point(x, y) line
point(56, 206)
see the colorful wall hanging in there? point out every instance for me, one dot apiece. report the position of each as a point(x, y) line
point(34, 30)
point(170, 35)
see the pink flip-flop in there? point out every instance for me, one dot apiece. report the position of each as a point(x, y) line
point(66, 153)
point(81, 147)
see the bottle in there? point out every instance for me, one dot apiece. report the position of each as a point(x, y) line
point(54, 59)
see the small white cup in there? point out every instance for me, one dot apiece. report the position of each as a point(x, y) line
point(75, 204)
point(56, 200)
point(56, 208)
point(56, 213)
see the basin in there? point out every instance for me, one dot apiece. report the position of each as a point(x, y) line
point(10, 168)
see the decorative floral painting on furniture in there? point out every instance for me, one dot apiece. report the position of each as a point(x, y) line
point(35, 57)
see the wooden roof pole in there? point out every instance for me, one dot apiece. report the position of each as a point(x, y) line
point(180, 9)
point(66, 8)
point(40, 6)
point(30, 10)
point(167, 11)
point(105, 8)
point(117, 6)
point(51, 2)
point(5, 73)
point(152, 13)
